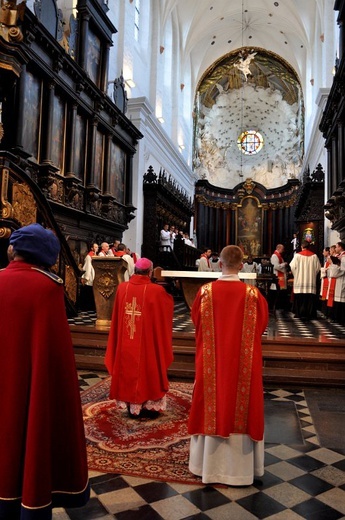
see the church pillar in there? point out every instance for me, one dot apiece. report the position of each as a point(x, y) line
point(265, 247)
point(270, 231)
point(340, 147)
point(329, 170)
point(229, 213)
point(212, 225)
point(129, 179)
point(72, 144)
point(93, 141)
point(285, 222)
point(335, 165)
point(104, 70)
point(107, 173)
point(222, 228)
point(47, 135)
point(83, 39)
point(21, 113)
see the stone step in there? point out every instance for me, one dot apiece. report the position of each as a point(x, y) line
point(286, 361)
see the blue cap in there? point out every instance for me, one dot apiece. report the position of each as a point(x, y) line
point(40, 245)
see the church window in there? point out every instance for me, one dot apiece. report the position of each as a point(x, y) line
point(250, 142)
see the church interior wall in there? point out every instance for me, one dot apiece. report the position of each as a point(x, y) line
point(156, 149)
point(166, 74)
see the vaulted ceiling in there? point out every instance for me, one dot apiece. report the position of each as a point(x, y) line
point(267, 97)
point(210, 29)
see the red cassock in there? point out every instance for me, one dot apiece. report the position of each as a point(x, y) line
point(42, 444)
point(228, 390)
point(139, 349)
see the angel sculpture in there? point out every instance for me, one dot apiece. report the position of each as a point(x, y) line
point(243, 64)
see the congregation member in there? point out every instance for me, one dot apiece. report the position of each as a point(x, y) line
point(280, 271)
point(172, 236)
point(165, 238)
point(215, 262)
point(204, 263)
point(324, 279)
point(305, 267)
point(334, 261)
point(187, 240)
point(139, 349)
point(115, 246)
point(105, 250)
point(337, 272)
point(124, 253)
point(87, 301)
point(250, 267)
point(226, 419)
point(135, 256)
point(43, 461)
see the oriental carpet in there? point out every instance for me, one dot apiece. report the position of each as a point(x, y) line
point(145, 447)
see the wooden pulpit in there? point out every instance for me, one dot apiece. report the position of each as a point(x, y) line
point(109, 273)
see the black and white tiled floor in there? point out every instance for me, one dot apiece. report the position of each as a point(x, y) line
point(283, 324)
point(304, 454)
point(304, 479)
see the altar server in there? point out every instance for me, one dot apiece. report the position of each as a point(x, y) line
point(337, 272)
point(305, 266)
point(42, 445)
point(139, 349)
point(227, 412)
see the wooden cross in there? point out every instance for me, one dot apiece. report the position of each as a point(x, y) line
point(132, 312)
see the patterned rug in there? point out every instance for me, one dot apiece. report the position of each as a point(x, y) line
point(149, 448)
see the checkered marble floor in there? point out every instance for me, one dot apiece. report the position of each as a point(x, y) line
point(302, 480)
point(283, 324)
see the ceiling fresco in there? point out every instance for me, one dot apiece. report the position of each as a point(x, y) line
point(249, 90)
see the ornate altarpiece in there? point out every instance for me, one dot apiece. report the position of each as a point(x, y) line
point(249, 215)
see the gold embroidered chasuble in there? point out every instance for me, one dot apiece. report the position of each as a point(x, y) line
point(245, 360)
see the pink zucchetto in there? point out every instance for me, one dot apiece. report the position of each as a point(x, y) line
point(143, 264)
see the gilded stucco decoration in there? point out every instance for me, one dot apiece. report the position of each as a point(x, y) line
point(10, 14)
point(70, 284)
point(106, 284)
point(24, 204)
point(6, 206)
point(249, 89)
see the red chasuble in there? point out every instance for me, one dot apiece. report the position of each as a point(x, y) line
point(229, 318)
point(139, 349)
point(42, 445)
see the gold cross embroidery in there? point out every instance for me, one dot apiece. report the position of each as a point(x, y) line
point(132, 312)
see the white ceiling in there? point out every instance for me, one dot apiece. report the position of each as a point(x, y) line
point(210, 29)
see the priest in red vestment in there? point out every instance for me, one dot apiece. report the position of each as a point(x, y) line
point(227, 413)
point(139, 349)
point(42, 445)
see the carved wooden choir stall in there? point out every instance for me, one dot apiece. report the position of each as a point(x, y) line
point(66, 146)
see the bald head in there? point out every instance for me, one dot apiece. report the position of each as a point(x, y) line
point(231, 258)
